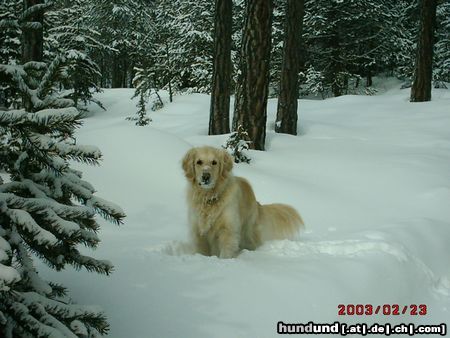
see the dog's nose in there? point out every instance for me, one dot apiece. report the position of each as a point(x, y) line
point(206, 177)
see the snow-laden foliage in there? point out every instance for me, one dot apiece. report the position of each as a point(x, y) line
point(9, 48)
point(69, 33)
point(148, 92)
point(147, 87)
point(65, 35)
point(182, 44)
point(346, 40)
point(278, 20)
point(46, 209)
point(312, 82)
point(441, 69)
point(125, 27)
point(238, 145)
point(141, 118)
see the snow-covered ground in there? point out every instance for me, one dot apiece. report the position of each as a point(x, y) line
point(369, 175)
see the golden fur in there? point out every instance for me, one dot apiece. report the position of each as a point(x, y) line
point(223, 212)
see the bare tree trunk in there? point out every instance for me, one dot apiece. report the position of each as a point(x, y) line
point(369, 81)
point(169, 72)
point(250, 109)
point(116, 72)
point(421, 88)
point(219, 118)
point(32, 39)
point(288, 98)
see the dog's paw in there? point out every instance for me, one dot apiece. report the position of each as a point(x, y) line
point(227, 254)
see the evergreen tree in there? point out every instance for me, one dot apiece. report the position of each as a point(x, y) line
point(123, 26)
point(10, 50)
point(250, 109)
point(277, 44)
point(289, 88)
point(441, 67)
point(146, 91)
point(68, 34)
point(219, 120)
point(236, 39)
point(183, 43)
point(421, 88)
point(47, 210)
point(141, 119)
point(238, 144)
point(348, 40)
point(401, 54)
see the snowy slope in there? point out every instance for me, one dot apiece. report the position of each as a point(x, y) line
point(368, 174)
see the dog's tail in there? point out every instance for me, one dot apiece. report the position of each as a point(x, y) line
point(278, 221)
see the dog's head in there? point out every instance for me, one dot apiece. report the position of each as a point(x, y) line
point(207, 166)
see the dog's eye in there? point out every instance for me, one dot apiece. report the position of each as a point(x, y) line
point(199, 162)
point(214, 162)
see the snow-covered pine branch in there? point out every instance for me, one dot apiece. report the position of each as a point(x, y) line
point(47, 210)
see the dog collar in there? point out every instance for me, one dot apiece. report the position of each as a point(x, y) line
point(211, 201)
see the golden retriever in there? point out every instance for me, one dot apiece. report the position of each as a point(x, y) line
point(223, 212)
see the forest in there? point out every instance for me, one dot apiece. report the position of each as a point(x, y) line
point(59, 59)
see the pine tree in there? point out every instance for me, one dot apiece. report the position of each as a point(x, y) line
point(123, 26)
point(441, 73)
point(10, 51)
point(421, 88)
point(350, 40)
point(250, 108)
point(277, 44)
point(141, 119)
point(289, 87)
point(68, 34)
point(238, 144)
point(183, 43)
point(219, 120)
point(147, 88)
point(236, 40)
point(47, 210)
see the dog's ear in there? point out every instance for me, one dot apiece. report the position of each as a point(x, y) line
point(227, 163)
point(188, 164)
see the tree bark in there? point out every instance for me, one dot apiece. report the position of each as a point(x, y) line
point(250, 109)
point(369, 81)
point(421, 88)
point(288, 97)
point(219, 118)
point(116, 72)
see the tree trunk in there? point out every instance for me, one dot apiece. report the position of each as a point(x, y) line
point(250, 109)
point(335, 68)
point(219, 118)
point(33, 38)
point(421, 88)
point(116, 72)
point(369, 81)
point(169, 72)
point(288, 97)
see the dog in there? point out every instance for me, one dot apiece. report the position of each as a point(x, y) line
point(223, 212)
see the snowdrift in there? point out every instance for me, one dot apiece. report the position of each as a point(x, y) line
point(368, 174)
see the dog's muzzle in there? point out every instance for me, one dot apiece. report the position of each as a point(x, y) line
point(206, 178)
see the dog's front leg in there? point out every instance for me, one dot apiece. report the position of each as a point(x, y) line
point(227, 240)
point(201, 244)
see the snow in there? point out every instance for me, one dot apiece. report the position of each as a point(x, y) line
point(8, 276)
point(24, 219)
point(369, 175)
